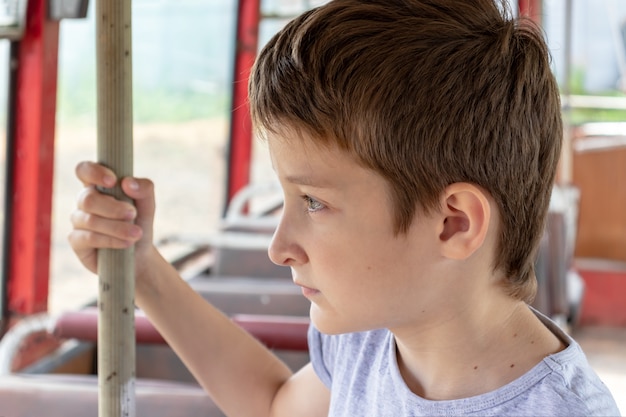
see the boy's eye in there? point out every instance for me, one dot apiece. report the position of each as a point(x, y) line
point(312, 204)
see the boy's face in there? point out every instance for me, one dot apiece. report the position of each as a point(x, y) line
point(336, 233)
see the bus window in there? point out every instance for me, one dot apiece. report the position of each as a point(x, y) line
point(275, 14)
point(182, 60)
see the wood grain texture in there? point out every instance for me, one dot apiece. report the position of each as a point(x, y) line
point(116, 349)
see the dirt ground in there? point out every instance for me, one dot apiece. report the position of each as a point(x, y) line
point(187, 163)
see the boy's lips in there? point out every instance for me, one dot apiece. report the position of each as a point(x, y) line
point(307, 291)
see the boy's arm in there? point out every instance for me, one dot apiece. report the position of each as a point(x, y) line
point(242, 376)
point(303, 394)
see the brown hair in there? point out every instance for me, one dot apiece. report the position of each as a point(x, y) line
point(426, 93)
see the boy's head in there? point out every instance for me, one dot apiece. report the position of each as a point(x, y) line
point(427, 93)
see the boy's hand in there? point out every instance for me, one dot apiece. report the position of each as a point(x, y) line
point(101, 221)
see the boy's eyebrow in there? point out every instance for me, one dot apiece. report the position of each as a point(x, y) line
point(306, 180)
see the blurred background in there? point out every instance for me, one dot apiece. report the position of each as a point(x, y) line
point(182, 83)
point(182, 71)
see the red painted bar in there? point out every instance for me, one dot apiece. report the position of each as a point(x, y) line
point(531, 8)
point(240, 150)
point(604, 302)
point(31, 202)
point(277, 332)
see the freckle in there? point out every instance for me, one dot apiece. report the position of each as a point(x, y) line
point(532, 342)
point(475, 367)
point(512, 365)
point(514, 334)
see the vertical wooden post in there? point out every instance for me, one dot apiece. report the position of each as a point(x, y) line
point(116, 325)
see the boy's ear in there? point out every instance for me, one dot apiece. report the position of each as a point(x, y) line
point(465, 219)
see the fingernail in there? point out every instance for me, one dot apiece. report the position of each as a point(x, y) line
point(109, 180)
point(130, 214)
point(135, 232)
point(133, 185)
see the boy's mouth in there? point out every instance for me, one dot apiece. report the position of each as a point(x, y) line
point(308, 292)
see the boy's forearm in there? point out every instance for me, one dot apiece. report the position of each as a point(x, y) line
point(240, 374)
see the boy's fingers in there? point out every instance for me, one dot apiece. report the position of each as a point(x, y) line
point(97, 228)
point(92, 173)
point(141, 190)
point(137, 187)
point(86, 239)
point(84, 243)
point(92, 201)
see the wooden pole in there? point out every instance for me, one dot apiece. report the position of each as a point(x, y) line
point(116, 318)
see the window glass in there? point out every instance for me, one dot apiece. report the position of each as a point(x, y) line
point(182, 63)
point(276, 14)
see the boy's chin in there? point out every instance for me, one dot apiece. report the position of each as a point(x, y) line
point(331, 324)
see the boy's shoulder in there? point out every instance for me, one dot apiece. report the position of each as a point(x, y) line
point(361, 371)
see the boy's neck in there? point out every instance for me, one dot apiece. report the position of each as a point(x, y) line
point(475, 352)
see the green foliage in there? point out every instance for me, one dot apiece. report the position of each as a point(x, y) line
point(581, 116)
point(77, 104)
point(76, 99)
point(177, 106)
point(578, 116)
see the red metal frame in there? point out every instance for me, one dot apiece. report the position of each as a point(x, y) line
point(240, 147)
point(605, 292)
point(276, 332)
point(33, 163)
point(531, 8)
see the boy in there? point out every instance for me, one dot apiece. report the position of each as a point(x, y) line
point(416, 142)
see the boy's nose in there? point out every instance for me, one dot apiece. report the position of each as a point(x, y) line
point(283, 249)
